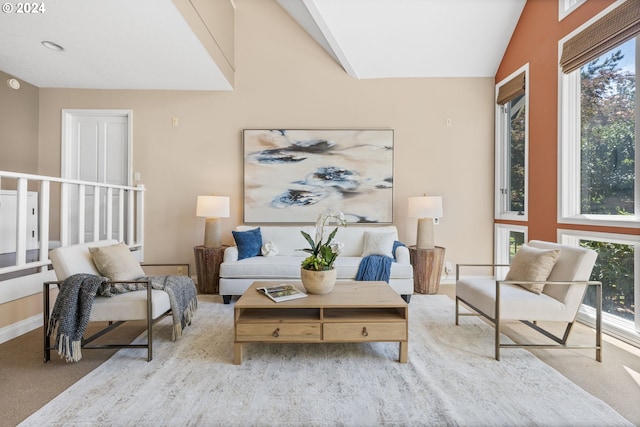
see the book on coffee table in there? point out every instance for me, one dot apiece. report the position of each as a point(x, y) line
point(282, 292)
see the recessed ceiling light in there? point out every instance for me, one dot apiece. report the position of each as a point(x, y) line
point(52, 46)
point(13, 84)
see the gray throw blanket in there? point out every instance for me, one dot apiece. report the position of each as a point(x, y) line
point(182, 297)
point(72, 308)
point(71, 312)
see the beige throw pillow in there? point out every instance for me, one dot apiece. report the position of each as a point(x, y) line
point(532, 265)
point(116, 262)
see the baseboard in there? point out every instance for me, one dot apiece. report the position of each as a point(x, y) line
point(19, 328)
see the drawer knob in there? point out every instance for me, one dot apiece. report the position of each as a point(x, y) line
point(364, 332)
point(276, 333)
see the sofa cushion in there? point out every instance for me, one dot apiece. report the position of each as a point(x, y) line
point(279, 267)
point(516, 303)
point(130, 306)
point(352, 236)
point(534, 265)
point(249, 242)
point(378, 244)
point(288, 239)
point(116, 262)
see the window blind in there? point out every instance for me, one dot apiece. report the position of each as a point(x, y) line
point(616, 27)
point(511, 89)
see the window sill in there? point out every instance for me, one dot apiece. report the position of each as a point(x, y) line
point(602, 220)
point(615, 326)
point(512, 217)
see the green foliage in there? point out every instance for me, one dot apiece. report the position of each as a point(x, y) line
point(607, 137)
point(516, 153)
point(322, 256)
point(615, 269)
point(323, 253)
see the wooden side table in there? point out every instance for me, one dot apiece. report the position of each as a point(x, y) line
point(208, 262)
point(427, 269)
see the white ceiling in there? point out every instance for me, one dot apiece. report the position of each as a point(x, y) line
point(147, 44)
point(411, 38)
point(109, 44)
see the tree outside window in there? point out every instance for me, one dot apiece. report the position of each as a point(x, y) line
point(608, 89)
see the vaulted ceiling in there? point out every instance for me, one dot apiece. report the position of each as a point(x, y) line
point(179, 44)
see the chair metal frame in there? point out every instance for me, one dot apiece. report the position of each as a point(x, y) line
point(561, 342)
point(46, 310)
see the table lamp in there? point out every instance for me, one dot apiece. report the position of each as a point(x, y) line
point(427, 210)
point(213, 208)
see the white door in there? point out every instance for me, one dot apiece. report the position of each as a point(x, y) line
point(96, 148)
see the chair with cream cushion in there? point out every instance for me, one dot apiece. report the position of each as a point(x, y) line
point(148, 305)
point(546, 282)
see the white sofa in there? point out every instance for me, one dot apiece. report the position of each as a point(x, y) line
point(237, 275)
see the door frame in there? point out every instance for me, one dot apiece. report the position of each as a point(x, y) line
point(67, 135)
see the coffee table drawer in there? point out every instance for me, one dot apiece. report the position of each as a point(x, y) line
point(278, 331)
point(393, 331)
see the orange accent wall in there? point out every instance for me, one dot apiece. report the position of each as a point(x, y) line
point(535, 41)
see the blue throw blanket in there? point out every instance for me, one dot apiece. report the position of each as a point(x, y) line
point(376, 267)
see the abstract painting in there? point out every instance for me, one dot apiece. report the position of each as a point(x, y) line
point(292, 176)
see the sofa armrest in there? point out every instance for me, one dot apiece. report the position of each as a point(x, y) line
point(230, 254)
point(402, 255)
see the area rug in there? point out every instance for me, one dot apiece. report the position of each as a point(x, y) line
point(451, 379)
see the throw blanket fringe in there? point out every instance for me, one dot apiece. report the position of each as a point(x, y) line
point(188, 314)
point(71, 312)
point(182, 297)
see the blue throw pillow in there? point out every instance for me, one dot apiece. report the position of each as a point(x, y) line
point(248, 242)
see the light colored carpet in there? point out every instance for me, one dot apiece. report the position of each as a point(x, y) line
point(451, 379)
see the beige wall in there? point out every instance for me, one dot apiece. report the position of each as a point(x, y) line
point(284, 80)
point(18, 127)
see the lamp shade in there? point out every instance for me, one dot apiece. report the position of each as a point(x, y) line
point(213, 206)
point(425, 207)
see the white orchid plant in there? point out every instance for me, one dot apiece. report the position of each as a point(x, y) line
point(323, 253)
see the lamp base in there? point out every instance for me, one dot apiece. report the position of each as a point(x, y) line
point(212, 233)
point(425, 234)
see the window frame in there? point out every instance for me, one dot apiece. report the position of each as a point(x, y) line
point(566, 7)
point(623, 329)
point(501, 245)
point(569, 140)
point(502, 152)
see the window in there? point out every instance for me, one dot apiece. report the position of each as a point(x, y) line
point(508, 240)
point(565, 7)
point(616, 267)
point(512, 147)
point(599, 133)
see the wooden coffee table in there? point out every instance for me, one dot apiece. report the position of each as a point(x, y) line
point(352, 312)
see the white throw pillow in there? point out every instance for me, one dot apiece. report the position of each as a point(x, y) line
point(532, 265)
point(116, 262)
point(378, 244)
point(269, 249)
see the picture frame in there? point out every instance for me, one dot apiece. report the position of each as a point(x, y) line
point(294, 175)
